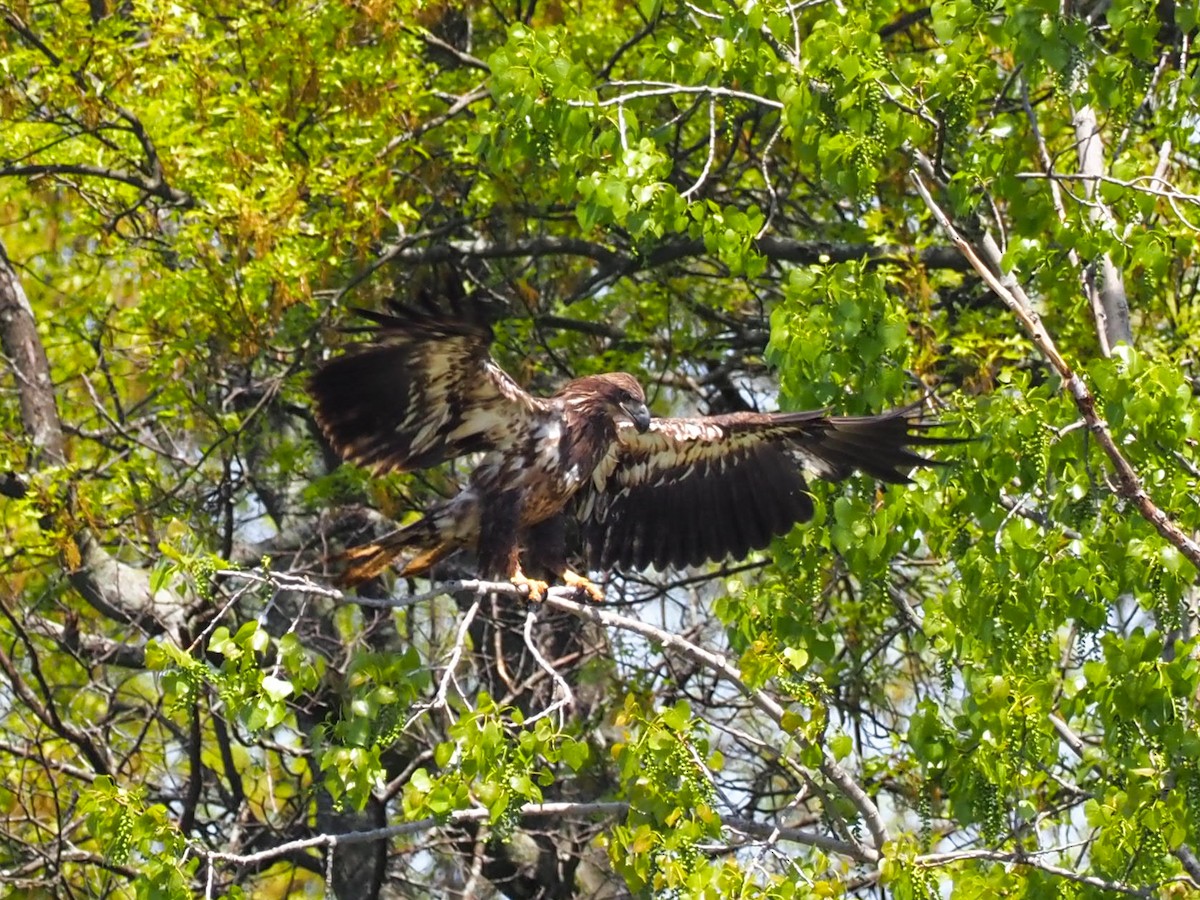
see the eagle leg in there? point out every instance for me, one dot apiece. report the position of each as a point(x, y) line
point(583, 583)
point(537, 589)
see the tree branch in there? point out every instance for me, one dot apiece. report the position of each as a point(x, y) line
point(1032, 861)
point(432, 40)
point(94, 649)
point(615, 264)
point(23, 347)
point(986, 260)
point(459, 104)
point(717, 664)
point(1098, 311)
point(120, 591)
point(149, 185)
point(529, 810)
point(152, 181)
point(561, 598)
point(1111, 300)
point(48, 714)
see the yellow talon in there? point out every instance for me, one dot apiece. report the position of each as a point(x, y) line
point(583, 583)
point(537, 589)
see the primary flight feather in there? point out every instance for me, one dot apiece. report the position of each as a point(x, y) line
point(645, 491)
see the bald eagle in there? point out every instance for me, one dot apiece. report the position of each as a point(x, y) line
point(643, 491)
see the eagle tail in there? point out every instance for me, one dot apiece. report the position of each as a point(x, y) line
point(371, 560)
point(882, 446)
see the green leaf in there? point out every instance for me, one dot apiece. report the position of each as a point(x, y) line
point(421, 781)
point(276, 688)
point(575, 754)
point(841, 745)
point(677, 717)
point(797, 656)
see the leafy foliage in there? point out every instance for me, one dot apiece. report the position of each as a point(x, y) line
point(982, 684)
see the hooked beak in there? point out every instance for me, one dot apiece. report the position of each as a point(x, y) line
point(640, 415)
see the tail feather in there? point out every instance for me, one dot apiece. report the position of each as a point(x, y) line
point(368, 561)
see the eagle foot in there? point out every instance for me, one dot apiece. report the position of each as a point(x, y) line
point(585, 584)
point(536, 589)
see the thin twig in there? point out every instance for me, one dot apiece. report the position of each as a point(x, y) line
point(566, 696)
point(712, 151)
point(665, 88)
point(456, 653)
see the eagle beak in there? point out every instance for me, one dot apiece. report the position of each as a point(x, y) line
point(639, 414)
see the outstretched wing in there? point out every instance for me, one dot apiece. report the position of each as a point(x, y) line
point(423, 390)
point(690, 490)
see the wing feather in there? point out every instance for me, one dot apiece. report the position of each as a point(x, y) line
point(660, 534)
point(736, 500)
point(752, 516)
point(423, 390)
point(695, 489)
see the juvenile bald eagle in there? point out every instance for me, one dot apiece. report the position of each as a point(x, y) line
point(643, 490)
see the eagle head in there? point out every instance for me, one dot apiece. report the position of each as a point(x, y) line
point(616, 393)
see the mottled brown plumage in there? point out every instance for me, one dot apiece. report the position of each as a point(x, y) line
point(646, 492)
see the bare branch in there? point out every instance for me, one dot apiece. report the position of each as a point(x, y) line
point(461, 816)
point(664, 88)
point(460, 103)
point(23, 346)
point(529, 810)
point(1111, 298)
point(1069, 737)
point(432, 40)
point(48, 714)
point(904, 22)
point(712, 151)
point(1190, 863)
point(456, 652)
point(1156, 185)
point(631, 41)
point(615, 264)
point(1098, 311)
point(1019, 507)
point(567, 697)
point(717, 664)
point(94, 649)
point(37, 753)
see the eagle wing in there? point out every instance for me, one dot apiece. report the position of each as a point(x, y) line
point(424, 390)
point(696, 489)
